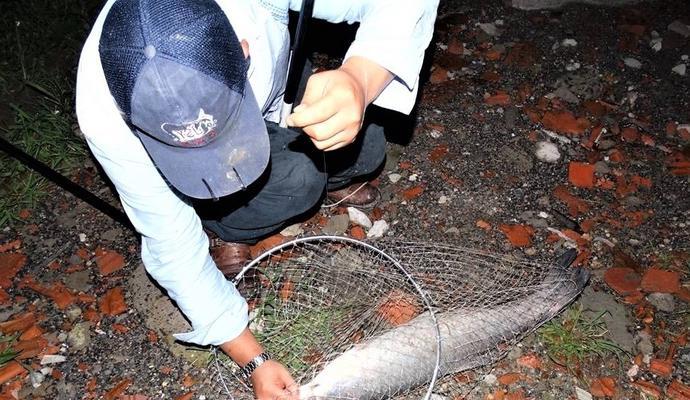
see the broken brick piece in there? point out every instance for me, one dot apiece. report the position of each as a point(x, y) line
point(10, 264)
point(110, 262)
point(660, 281)
point(603, 387)
point(565, 122)
point(661, 367)
point(623, 281)
point(518, 235)
point(581, 174)
point(678, 391)
point(113, 302)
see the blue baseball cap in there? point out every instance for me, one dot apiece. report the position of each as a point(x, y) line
point(178, 74)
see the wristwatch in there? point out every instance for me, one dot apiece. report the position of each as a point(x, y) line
point(252, 365)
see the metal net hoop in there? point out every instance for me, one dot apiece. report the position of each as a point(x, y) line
point(312, 299)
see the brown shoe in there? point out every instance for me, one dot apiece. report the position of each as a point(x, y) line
point(230, 258)
point(359, 195)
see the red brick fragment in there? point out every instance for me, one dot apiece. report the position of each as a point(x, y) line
point(630, 134)
point(648, 388)
point(565, 122)
point(678, 391)
point(518, 235)
point(501, 99)
point(113, 302)
point(357, 232)
point(10, 265)
point(658, 280)
point(623, 281)
point(110, 262)
point(575, 204)
point(530, 360)
point(581, 174)
point(603, 387)
point(661, 367)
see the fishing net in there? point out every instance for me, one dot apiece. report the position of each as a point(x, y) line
point(399, 320)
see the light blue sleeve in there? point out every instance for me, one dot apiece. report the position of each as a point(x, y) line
point(392, 33)
point(174, 247)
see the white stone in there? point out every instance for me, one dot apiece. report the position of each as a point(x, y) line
point(358, 217)
point(680, 69)
point(489, 28)
point(490, 379)
point(52, 359)
point(82, 237)
point(443, 200)
point(632, 63)
point(573, 66)
point(434, 133)
point(413, 178)
point(292, 230)
point(582, 394)
point(377, 230)
point(684, 57)
point(569, 43)
point(679, 28)
point(633, 371)
point(547, 152)
point(394, 178)
point(656, 44)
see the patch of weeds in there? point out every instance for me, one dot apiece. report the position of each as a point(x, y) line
point(575, 338)
point(7, 353)
point(45, 133)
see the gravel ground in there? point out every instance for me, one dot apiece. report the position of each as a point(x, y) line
point(585, 83)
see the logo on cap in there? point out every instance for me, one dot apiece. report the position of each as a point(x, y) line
point(197, 132)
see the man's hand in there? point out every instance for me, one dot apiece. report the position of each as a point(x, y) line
point(332, 109)
point(272, 381)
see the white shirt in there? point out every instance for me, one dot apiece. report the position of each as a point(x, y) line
point(392, 33)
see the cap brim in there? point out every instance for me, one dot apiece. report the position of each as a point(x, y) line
point(231, 162)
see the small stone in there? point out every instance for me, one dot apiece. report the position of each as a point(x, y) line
point(62, 337)
point(662, 301)
point(490, 379)
point(572, 66)
point(80, 336)
point(413, 178)
point(582, 394)
point(530, 251)
point(680, 69)
point(394, 178)
point(489, 28)
point(569, 43)
point(337, 225)
point(358, 217)
point(633, 371)
point(452, 231)
point(601, 168)
point(292, 230)
point(632, 63)
point(656, 44)
point(36, 378)
point(52, 359)
point(73, 313)
point(82, 237)
point(443, 200)
point(378, 229)
point(79, 281)
point(643, 343)
point(680, 28)
point(547, 152)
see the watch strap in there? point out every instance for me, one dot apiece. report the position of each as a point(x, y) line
point(252, 365)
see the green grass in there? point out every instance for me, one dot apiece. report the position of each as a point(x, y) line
point(46, 134)
point(39, 46)
point(575, 338)
point(7, 354)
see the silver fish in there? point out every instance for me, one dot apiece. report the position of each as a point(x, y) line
point(404, 358)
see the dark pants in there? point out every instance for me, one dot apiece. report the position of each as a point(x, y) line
point(293, 184)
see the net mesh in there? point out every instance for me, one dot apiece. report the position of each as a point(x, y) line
point(354, 321)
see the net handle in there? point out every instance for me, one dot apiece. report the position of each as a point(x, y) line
point(418, 288)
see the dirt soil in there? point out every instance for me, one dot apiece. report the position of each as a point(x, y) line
point(535, 131)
